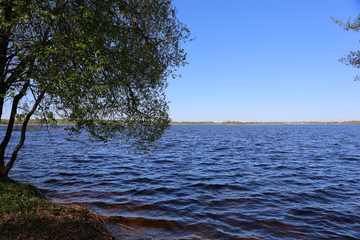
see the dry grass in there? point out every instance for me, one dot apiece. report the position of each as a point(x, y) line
point(26, 214)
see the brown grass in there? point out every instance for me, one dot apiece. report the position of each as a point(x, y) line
point(60, 223)
point(26, 214)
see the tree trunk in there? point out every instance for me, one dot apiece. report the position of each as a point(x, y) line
point(3, 176)
point(11, 123)
point(13, 157)
point(6, 9)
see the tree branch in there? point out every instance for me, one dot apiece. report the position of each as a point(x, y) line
point(11, 123)
point(19, 70)
point(23, 133)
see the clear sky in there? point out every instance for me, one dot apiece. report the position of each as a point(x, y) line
point(262, 60)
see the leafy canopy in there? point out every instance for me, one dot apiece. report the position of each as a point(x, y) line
point(102, 64)
point(352, 58)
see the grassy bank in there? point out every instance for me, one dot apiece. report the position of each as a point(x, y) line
point(26, 214)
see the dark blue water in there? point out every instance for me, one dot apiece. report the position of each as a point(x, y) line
point(211, 182)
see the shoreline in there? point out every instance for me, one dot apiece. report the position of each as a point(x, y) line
point(61, 122)
point(25, 213)
point(268, 123)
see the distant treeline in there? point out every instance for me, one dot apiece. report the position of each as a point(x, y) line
point(262, 123)
point(65, 122)
point(38, 122)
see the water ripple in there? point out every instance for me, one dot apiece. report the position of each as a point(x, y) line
point(210, 182)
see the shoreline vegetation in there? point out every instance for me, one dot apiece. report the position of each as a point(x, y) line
point(65, 122)
point(26, 214)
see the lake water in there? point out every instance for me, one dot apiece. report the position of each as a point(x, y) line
point(210, 182)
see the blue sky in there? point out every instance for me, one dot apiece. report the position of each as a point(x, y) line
point(261, 60)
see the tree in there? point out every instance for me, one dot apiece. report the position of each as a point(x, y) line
point(101, 64)
point(353, 58)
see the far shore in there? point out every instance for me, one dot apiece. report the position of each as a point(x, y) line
point(64, 122)
point(267, 123)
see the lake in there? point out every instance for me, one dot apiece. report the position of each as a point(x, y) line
point(210, 181)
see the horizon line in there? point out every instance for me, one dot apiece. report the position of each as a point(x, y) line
point(261, 122)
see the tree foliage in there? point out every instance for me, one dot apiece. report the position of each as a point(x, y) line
point(353, 57)
point(102, 64)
